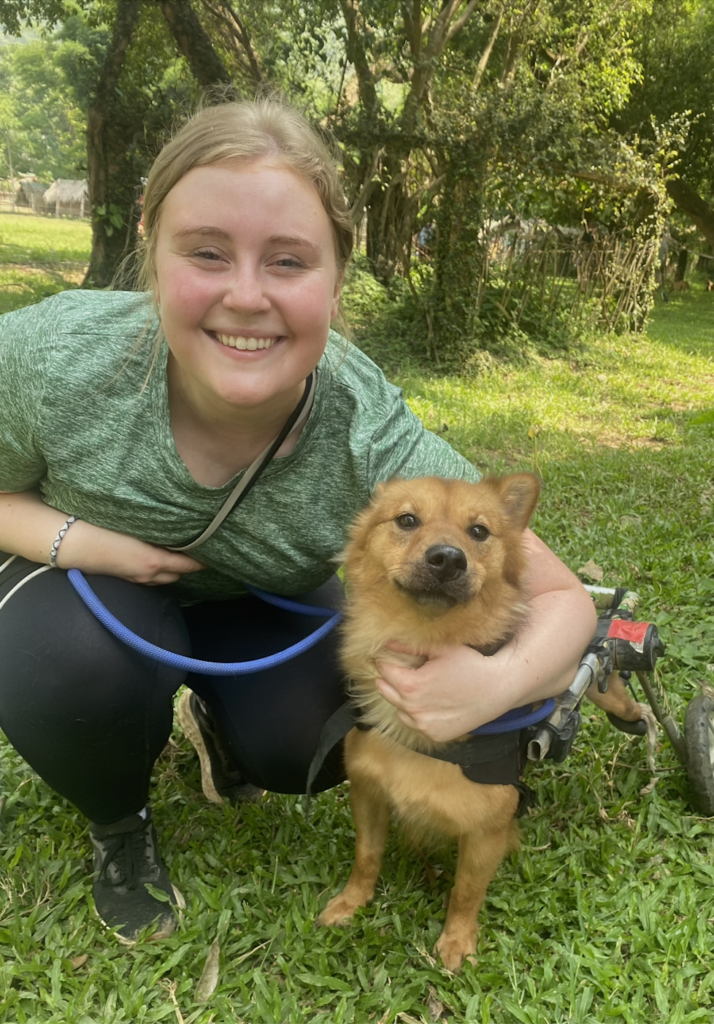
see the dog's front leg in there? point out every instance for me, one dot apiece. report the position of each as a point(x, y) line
point(478, 860)
point(618, 701)
point(371, 817)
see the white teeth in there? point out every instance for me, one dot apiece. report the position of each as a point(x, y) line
point(245, 344)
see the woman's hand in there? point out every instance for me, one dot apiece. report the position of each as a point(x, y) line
point(457, 689)
point(105, 552)
point(28, 527)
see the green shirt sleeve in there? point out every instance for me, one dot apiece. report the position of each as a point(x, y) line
point(25, 363)
point(402, 446)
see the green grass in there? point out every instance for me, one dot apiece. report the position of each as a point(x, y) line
point(606, 913)
point(40, 256)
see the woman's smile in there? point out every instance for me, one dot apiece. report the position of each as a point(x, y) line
point(243, 343)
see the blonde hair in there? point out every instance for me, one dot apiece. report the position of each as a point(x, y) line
point(244, 130)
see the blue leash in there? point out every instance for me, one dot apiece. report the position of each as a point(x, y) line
point(517, 718)
point(208, 668)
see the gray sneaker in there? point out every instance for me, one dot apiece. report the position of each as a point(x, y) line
point(126, 858)
point(220, 779)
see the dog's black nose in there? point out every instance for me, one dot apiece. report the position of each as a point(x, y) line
point(445, 562)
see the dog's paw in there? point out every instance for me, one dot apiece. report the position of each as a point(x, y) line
point(453, 950)
point(339, 911)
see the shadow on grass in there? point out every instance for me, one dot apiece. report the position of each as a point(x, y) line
point(22, 286)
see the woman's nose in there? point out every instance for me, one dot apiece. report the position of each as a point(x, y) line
point(246, 290)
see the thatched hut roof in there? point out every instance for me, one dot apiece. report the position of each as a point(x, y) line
point(28, 189)
point(67, 191)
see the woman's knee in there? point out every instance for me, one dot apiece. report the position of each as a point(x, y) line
point(53, 648)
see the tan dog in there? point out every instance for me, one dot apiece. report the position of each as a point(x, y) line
point(432, 562)
point(680, 286)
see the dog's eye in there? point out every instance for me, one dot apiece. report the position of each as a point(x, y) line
point(407, 521)
point(479, 532)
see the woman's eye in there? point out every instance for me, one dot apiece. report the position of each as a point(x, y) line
point(407, 521)
point(205, 254)
point(291, 262)
point(479, 532)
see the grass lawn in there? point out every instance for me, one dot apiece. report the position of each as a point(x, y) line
point(40, 256)
point(606, 913)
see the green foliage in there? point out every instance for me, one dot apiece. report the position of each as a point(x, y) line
point(673, 46)
point(109, 216)
point(602, 916)
point(42, 129)
point(386, 322)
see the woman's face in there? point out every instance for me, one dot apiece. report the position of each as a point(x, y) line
point(247, 282)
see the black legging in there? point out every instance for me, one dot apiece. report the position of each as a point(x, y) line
point(91, 716)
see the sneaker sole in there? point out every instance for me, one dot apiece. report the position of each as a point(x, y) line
point(160, 933)
point(193, 734)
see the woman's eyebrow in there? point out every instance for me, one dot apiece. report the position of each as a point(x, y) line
point(216, 232)
point(294, 240)
point(203, 230)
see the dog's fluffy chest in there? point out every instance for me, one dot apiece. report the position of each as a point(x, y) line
point(430, 797)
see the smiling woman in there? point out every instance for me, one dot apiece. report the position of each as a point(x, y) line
point(246, 311)
point(116, 460)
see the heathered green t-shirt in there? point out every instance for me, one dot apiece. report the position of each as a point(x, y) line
point(77, 422)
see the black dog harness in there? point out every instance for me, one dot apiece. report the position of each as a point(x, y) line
point(496, 760)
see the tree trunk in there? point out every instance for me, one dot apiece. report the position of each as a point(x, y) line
point(682, 258)
point(194, 42)
point(691, 204)
point(458, 261)
point(110, 133)
point(390, 215)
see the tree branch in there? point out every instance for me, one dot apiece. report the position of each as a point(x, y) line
point(194, 42)
point(357, 56)
point(361, 201)
point(486, 55)
point(238, 31)
point(461, 21)
point(690, 203)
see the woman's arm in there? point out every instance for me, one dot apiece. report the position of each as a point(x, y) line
point(28, 527)
point(458, 689)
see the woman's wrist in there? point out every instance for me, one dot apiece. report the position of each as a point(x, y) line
point(61, 533)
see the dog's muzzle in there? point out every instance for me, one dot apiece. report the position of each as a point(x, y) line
point(440, 579)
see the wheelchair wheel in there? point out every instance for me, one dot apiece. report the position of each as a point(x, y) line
point(699, 744)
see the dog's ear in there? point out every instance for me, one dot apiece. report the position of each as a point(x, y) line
point(519, 493)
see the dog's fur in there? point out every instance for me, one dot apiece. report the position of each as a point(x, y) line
point(680, 286)
point(407, 583)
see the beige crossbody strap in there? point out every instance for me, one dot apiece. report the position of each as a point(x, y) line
point(296, 420)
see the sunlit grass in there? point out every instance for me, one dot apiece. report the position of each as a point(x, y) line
point(32, 239)
point(605, 915)
point(40, 256)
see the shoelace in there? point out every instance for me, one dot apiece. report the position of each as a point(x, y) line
point(129, 848)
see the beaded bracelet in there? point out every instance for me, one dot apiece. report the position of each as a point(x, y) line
point(58, 540)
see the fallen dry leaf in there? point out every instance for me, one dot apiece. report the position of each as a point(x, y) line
point(79, 961)
point(434, 1005)
point(209, 978)
point(591, 570)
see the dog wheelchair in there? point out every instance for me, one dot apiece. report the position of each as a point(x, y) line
point(627, 647)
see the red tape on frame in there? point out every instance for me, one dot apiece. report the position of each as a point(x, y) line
point(621, 629)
